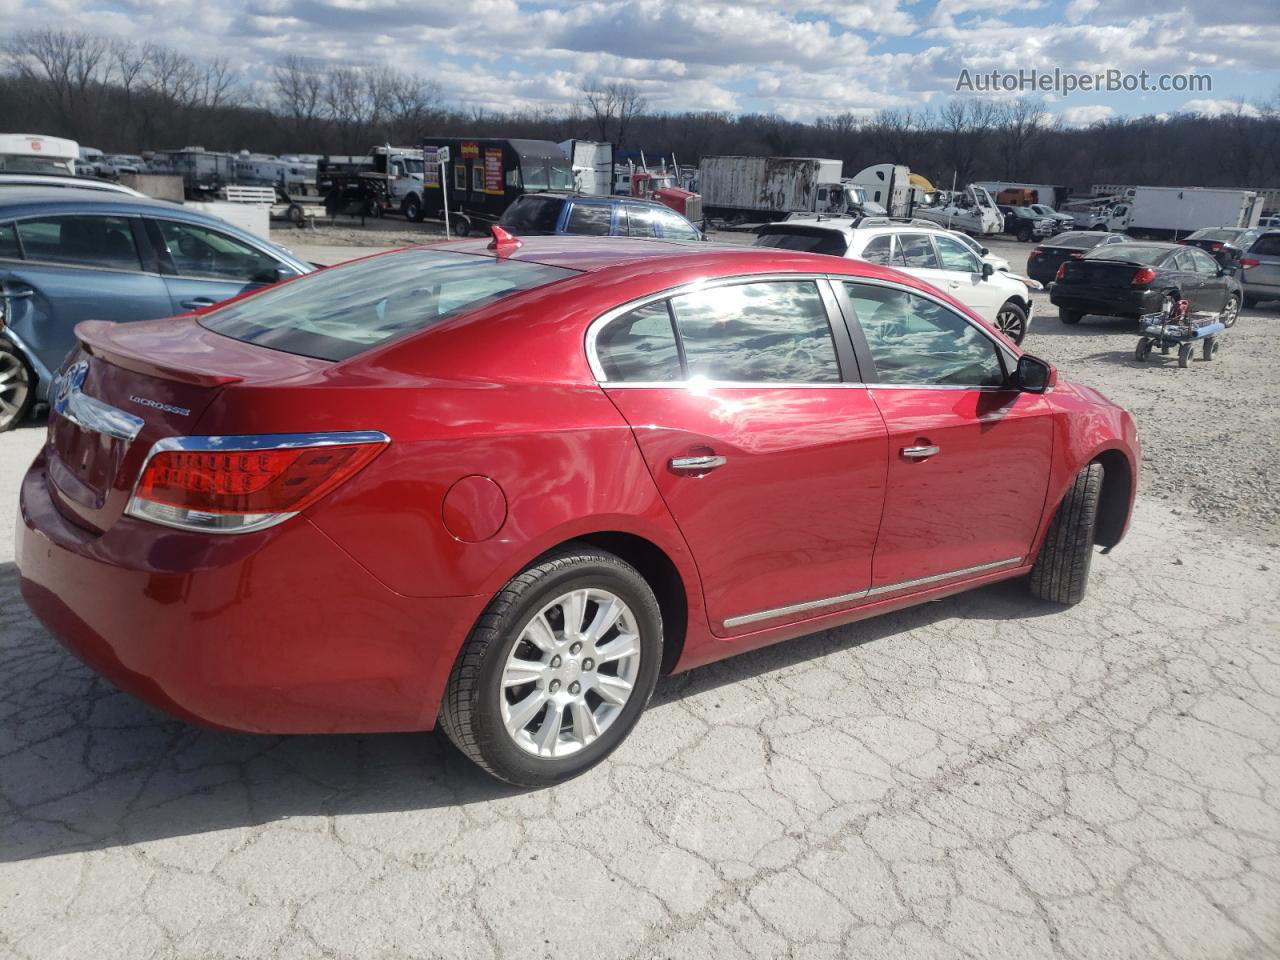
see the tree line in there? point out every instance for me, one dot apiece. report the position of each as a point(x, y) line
point(125, 97)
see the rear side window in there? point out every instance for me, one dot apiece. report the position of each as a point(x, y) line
point(532, 215)
point(89, 241)
point(917, 251)
point(590, 219)
point(9, 242)
point(674, 226)
point(340, 312)
point(775, 331)
point(640, 222)
point(640, 346)
point(1268, 245)
point(879, 250)
point(810, 241)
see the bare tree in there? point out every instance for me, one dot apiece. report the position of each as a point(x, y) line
point(1017, 124)
point(297, 90)
point(613, 106)
point(964, 126)
point(66, 66)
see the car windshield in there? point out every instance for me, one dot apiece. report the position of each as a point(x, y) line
point(805, 241)
point(1129, 253)
point(340, 312)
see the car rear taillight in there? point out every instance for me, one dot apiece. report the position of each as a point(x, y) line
point(1248, 262)
point(1142, 277)
point(1215, 247)
point(238, 484)
point(1036, 252)
point(1076, 256)
point(1062, 269)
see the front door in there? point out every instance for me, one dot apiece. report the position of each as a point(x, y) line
point(968, 458)
point(768, 452)
point(964, 278)
point(203, 266)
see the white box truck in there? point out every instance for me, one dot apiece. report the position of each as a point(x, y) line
point(34, 153)
point(1172, 212)
point(769, 188)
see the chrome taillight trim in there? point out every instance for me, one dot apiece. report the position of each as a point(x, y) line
point(164, 515)
point(69, 401)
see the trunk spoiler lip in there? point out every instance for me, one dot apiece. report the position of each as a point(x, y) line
point(100, 339)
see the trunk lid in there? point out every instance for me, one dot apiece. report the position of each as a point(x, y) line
point(1100, 273)
point(127, 386)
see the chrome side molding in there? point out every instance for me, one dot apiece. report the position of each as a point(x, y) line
point(873, 592)
point(69, 400)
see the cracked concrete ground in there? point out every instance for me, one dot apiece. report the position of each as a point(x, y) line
point(980, 777)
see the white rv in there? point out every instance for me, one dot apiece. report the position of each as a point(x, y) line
point(32, 153)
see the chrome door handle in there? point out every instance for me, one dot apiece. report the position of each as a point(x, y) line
point(697, 464)
point(10, 294)
point(919, 453)
point(197, 302)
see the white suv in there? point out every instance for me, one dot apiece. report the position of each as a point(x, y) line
point(920, 249)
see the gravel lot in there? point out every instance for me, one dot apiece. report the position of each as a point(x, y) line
point(979, 777)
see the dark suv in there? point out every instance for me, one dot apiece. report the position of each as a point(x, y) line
point(549, 214)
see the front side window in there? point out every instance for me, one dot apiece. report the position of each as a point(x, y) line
point(590, 219)
point(774, 331)
point(1203, 263)
point(917, 251)
point(83, 240)
point(955, 256)
point(337, 313)
point(198, 252)
point(674, 226)
point(915, 341)
point(640, 347)
point(9, 242)
point(532, 215)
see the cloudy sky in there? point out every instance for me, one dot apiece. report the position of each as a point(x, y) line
point(800, 59)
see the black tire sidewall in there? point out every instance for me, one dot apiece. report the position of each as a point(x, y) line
point(1022, 315)
point(500, 752)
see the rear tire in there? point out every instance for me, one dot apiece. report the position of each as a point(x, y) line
point(412, 209)
point(1070, 316)
point(1011, 320)
point(1143, 350)
point(479, 710)
point(1061, 571)
point(17, 387)
point(1184, 355)
point(1230, 312)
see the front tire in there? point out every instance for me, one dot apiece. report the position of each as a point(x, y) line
point(17, 387)
point(1011, 320)
point(557, 670)
point(1061, 571)
point(1230, 312)
point(412, 209)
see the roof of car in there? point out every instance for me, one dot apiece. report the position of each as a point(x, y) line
point(851, 229)
point(45, 197)
point(577, 195)
point(17, 179)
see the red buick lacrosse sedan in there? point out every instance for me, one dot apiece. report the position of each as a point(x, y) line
point(503, 487)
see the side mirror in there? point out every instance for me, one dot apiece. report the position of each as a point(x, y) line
point(1222, 271)
point(984, 250)
point(1033, 375)
point(987, 271)
point(275, 274)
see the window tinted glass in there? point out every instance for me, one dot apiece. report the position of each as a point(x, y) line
point(640, 222)
point(757, 332)
point(879, 250)
point(345, 310)
point(592, 219)
point(916, 341)
point(86, 240)
point(1128, 252)
point(1203, 263)
point(1267, 245)
point(917, 251)
point(956, 256)
point(530, 215)
point(640, 346)
point(674, 226)
point(1181, 261)
point(8, 241)
point(814, 241)
point(197, 252)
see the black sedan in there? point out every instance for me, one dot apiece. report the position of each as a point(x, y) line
point(1131, 279)
point(1224, 244)
point(1044, 260)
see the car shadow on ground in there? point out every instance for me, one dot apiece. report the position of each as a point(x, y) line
point(87, 767)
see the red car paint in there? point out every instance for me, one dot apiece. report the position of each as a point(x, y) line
point(348, 616)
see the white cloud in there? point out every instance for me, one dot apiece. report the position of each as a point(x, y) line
point(1083, 116)
point(1217, 108)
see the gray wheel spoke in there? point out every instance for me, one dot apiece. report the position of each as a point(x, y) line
point(519, 672)
point(584, 722)
point(574, 606)
point(7, 408)
point(540, 634)
point(607, 614)
point(615, 690)
point(623, 645)
point(524, 711)
point(548, 735)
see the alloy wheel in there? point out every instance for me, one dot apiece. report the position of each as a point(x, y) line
point(570, 673)
point(15, 387)
point(1230, 312)
point(1011, 324)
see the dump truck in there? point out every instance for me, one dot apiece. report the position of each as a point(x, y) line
point(387, 179)
point(769, 188)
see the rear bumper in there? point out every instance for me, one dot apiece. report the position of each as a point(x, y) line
point(276, 632)
point(1120, 302)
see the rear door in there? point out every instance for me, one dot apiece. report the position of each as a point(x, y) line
point(965, 282)
point(768, 451)
point(591, 218)
point(1263, 276)
point(74, 267)
point(203, 266)
point(969, 459)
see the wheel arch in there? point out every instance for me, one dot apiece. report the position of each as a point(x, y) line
point(1115, 499)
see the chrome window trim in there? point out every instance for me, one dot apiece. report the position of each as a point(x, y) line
point(239, 444)
point(602, 321)
point(775, 612)
point(69, 401)
point(78, 266)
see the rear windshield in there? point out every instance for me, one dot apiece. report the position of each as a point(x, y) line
point(340, 312)
point(532, 215)
point(815, 241)
point(1219, 234)
point(1128, 253)
point(1081, 240)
